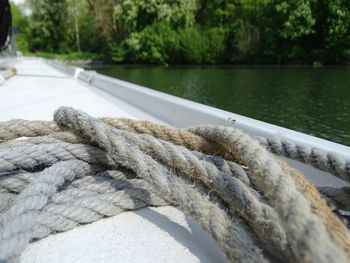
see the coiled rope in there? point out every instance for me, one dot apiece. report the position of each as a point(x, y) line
point(79, 169)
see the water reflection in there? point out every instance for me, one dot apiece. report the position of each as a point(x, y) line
point(314, 101)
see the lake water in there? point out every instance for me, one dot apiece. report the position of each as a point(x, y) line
point(311, 100)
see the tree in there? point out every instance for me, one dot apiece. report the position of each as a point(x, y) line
point(76, 12)
point(285, 29)
point(296, 18)
point(217, 12)
point(48, 25)
point(20, 22)
point(135, 15)
point(193, 31)
point(333, 29)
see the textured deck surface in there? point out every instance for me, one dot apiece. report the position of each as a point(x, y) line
point(147, 235)
point(38, 90)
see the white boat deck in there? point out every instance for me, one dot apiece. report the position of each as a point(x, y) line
point(147, 235)
point(37, 90)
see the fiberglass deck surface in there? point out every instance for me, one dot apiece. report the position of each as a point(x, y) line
point(37, 90)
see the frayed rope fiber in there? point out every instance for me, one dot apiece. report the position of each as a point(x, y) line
point(79, 169)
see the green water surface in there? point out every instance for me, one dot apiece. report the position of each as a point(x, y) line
point(315, 101)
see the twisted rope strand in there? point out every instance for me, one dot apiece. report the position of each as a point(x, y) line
point(17, 223)
point(13, 129)
point(30, 157)
point(336, 229)
point(326, 161)
point(261, 217)
point(176, 136)
point(341, 196)
point(302, 226)
point(72, 207)
point(90, 198)
point(334, 226)
point(235, 242)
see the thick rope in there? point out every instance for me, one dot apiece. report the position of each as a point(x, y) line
point(335, 228)
point(93, 201)
point(105, 182)
point(84, 203)
point(176, 136)
point(283, 214)
point(340, 196)
point(238, 197)
point(302, 226)
point(31, 157)
point(13, 129)
point(16, 223)
point(235, 243)
point(326, 161)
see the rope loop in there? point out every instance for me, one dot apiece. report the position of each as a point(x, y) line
point(78, 169)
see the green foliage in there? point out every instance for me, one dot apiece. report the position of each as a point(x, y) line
point(202, 46)
point(242, 42)
point(71, 56)
point(192, 45)
point(333, 25)
point(216, 13)
point(48, 25)
point(190, 31)
point(154, 44)
point(161, 44)
point(296, 17)
point(135, 15)
point(20, 22)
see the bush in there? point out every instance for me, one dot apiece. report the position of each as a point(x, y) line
point(243, 41)
point(154, 44)
point(117, 52)
point(198, 46)
point(191, 45)
point(216, 45)
point(161, 44)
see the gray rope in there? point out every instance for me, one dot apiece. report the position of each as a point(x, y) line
point(302, 226)
point(265, 220)
point(30, 157)
point(16, 223)
point(78, 206)
point(65, 210)
point(5, 201)
point(227, 167)
point(235, 242)
point(326, 161)
point(22, 128)
point(104, 182)
point(237, 195)
point(338, 199)
point(15, 182)
point(90, 198)
point(57, 137)
point(340, 196)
